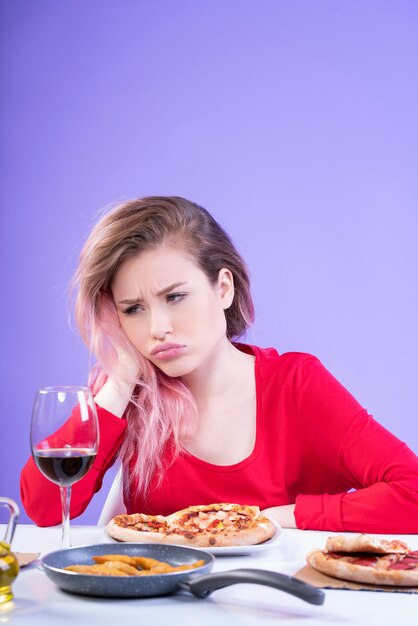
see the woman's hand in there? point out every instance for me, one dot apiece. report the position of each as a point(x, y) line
point(117, 391)
point(284, 514)
point(126, 367)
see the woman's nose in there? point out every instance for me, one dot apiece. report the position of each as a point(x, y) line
point(160, 325)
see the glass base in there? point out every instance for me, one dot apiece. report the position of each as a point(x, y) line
point(6, 594)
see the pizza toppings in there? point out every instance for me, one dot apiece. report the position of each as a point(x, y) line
point(366, 559)
point(214, 519)
point(221, 524)
point(147, 523)
point(409, 561)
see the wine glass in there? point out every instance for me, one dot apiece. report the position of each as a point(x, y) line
point(64, 440)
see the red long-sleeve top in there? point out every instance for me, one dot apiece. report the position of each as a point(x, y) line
point(315, 447)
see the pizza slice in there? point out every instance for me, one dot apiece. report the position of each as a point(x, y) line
point(366, 559)
point(138, 527)
point(220, 524)
point(365, 543)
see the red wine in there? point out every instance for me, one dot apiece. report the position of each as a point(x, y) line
point(64, 466)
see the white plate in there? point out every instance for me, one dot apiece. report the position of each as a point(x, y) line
point(232, 550)
point(241, 550)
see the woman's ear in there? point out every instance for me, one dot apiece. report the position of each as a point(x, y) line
point(225, 287)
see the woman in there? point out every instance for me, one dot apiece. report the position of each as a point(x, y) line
point(198, 418)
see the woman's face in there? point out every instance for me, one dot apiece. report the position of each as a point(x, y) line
point(170, 311)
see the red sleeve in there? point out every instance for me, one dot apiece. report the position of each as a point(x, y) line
point(41, 498)
point(348, 442)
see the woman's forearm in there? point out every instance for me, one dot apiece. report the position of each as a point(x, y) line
point(284, 514)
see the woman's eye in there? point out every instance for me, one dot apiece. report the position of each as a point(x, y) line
point(132, 310)
point(176, 297)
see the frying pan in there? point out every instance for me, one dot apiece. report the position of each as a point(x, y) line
point(197, 581)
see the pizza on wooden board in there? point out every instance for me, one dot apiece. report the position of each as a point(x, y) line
point(366, 559)
point(210, 525)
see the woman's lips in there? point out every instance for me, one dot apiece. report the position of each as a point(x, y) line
point(168, 351)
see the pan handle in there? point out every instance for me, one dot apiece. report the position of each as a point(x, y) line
point(204, 585)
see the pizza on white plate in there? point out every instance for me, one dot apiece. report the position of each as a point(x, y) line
point(210, 525)
point(366, 559)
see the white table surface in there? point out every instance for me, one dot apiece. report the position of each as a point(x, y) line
point(38, 601)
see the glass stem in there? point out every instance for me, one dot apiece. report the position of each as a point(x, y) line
point(65, 502)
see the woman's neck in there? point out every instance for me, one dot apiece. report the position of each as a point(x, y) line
point(225, 395)
point(219, 375)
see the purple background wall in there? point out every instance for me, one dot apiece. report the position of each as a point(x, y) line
point(295, 123)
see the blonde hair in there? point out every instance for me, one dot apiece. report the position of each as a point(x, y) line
point(161, 410)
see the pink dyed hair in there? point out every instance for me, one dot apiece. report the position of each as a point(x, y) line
point(162, 409)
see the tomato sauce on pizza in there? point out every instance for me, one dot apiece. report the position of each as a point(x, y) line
point(366, 559)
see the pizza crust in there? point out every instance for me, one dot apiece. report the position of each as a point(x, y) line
point(176, 528)
point(342, 569)
point(365, 543)
point(202, 539)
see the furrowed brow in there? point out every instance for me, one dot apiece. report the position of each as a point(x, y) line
point(134, 301)
point(162, 292)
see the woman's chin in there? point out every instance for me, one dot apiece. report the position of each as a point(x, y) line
point(174, 368)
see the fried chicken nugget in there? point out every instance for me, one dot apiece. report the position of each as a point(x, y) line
point(109, 568)
point(120, 558)
point(124, 565)
point(181, 568)
point(152, 566)
point(166, 568)
point(97, 570)
point(121, 567)
point(146, 562)
point(160, 567)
